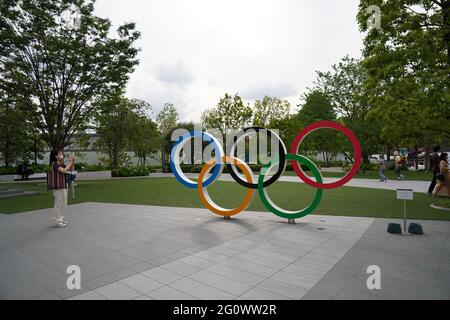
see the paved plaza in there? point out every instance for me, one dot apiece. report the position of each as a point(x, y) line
point(150, 252)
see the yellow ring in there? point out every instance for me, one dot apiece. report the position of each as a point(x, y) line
point(206, 199)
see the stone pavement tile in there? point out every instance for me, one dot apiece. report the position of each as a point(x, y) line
point(144, 266)
point(294, 279)
point(98, 282)
point(314, 295)
point(200, 290)
point(176, 255)
point(196, 262)
point(66, 293)
point(181, 268)
point(109, 244)
point(263, 261)
point(329, 288)
point(226, 250)
point(314, 264)
point(260, 294)
point(328, 252)
point(387, 281)
point(236, 274)
point(169, 293)
point(29, 291)
point(226, 284)
point(211, 255)
point(143, 297)
point(117, 291)
point(160, 261)
point(283, 288)
point(50, 296)
point(121, 274)
point(291, 251)
point(99, 264)
point(249, 267)
point(141, 283)
point(352, 294)
point(138, 254)
point(267, 253)
point(162, 275)
point(90, 295)
point(441, 293)
point(192, 250)
point(305, 271)
point(321, 258)
point(352, 262)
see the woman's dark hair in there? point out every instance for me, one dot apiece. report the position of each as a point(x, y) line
point(53, 155)
point(443, 156)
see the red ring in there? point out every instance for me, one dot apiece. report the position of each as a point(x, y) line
point(332, 125)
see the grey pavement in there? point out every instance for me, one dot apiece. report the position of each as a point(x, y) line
point(150, 252)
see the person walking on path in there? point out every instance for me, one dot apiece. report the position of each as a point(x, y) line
point(382, 165)
point(56, 180)
point(434, 167)
point(398, 166)
point(442, 187)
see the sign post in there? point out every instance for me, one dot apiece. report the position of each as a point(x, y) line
point(405, 194)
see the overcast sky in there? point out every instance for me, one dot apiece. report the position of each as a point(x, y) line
point(195, 51)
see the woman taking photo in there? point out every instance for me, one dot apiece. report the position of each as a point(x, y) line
point(56, 181)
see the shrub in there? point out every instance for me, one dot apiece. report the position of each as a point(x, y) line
point(137, 171)
point(84, 167)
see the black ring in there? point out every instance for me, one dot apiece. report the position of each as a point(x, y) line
point(281, 164)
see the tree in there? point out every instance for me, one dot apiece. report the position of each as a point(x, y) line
point(61, 69)
point(268, 110)
point(17, 138)
point(317, 107)
point(146, 139)
point(344, 87)
point(167, 119)
point(230, 114)
point(118, 124)
point(408, 69)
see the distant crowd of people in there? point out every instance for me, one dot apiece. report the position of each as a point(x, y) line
point(398, 167)
point(438, 165)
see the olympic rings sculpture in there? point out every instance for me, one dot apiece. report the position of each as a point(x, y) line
point(217, 163)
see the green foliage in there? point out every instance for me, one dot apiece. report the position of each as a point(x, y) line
point(58, 70)
point(167, 120)
point(84, 167)
point(136, 171)
point(408, 67)
point(229, 115)
point(268, 111)
point(122, 123)
point(346, 92)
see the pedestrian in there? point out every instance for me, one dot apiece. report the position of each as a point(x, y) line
point(56, 181)
point(443, 177)
point(382, 165)
point(434, 167)
point(398, 166)
point(24, 171)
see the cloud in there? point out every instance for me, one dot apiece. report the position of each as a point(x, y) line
point(176, 74)
point(259, 90)
point(193, 52)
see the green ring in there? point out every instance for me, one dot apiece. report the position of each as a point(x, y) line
point(272, 206)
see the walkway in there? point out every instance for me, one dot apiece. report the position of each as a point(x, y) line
point(149, 252)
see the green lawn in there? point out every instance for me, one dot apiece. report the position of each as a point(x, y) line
point(345, 201)
point(409, 175)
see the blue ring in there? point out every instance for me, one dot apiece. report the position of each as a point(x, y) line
point(218, 155)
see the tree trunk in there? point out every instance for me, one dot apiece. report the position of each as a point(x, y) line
point(163, 164)
point(446, 27)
